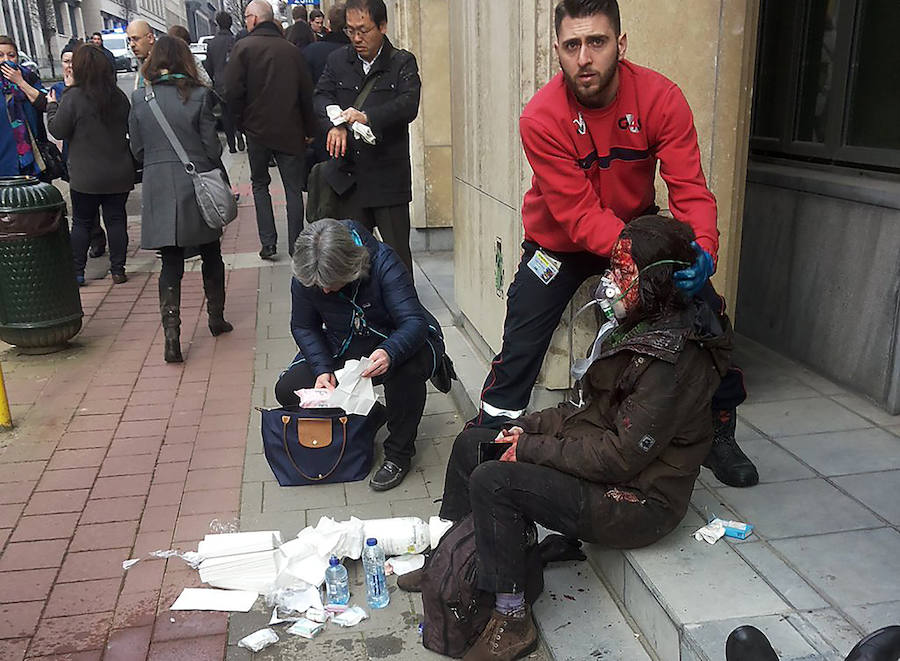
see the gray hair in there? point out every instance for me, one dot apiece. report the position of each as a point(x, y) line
point(326, 255)
point(262, 10)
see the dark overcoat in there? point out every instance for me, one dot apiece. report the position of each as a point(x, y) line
point(169, 212)
point(382, 171)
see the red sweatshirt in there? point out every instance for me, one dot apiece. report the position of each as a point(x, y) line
point(588, 183)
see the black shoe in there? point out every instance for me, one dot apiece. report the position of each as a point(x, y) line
point(119, 278)
point(489, 421)
point(388, 476)
point(444, 375)
point(240, 142)
point(411, 581)
point(725, 459)
point(748, 643)
point(559, 548)
point(267, 252)
point(232, 150)
point(881, 645)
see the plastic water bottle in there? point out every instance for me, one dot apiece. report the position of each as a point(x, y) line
point(337, 584)
point(373, 562)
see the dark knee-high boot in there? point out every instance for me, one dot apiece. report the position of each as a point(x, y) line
point(214, 287)
point(170, 310)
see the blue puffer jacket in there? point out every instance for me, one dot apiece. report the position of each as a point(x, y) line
point(393, 319)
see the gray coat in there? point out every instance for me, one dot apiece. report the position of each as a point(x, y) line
point(170, 215)
point(98, 156)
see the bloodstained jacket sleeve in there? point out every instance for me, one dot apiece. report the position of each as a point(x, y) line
point(643, 428)
point(567, 191)
point(690, 199)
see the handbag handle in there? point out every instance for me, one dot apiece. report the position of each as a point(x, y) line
point(150, 98)
point(285, 420)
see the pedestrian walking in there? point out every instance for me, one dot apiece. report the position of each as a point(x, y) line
point(593, 136)
point(381, 167)
point(269, 90)
point(92, 118)
point(217, 52)
point(299, 33)
point(170, 216)
point(141, 39)
point(181, 32)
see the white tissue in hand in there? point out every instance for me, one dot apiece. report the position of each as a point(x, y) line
point(354, 394)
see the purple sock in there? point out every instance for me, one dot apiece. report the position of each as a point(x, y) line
point(511, 604)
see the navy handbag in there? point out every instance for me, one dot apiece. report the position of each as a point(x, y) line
point(319, 446)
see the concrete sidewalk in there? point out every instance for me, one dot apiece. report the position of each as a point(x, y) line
point(823, 565)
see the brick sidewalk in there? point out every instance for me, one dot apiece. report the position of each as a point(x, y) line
point(115, 454)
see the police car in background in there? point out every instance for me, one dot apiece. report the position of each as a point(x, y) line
point(117, 42)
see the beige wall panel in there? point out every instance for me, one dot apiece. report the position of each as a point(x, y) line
point(434, 61)
point(439, 186)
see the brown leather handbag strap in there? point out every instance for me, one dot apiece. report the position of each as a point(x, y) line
point(285, 420)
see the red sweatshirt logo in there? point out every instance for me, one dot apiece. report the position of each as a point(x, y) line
point(630, 122)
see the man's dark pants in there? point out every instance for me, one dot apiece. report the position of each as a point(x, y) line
point(533, 311)
point(404, 397)
point(392, 223)
point(505, 497)
point(292, 168)
point(228, 126)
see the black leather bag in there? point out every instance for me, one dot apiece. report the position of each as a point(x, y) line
point(318, 446)
point(54, 164)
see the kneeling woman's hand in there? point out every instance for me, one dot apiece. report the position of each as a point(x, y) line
point(379, 361)
point(326, 381)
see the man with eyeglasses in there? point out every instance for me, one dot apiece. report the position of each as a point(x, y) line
point(140, 39)
point(269, 90)
point(377, 152)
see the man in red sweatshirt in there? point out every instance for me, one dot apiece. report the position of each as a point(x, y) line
point(593, 136)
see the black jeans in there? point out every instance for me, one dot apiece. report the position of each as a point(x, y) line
point(228, 125)
point(504, 498)
point(85, 208)
point(173, 263)
point(404, 397)
point(533, 311)
point(292, 168)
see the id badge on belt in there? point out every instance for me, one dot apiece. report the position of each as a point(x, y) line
point(544, 266)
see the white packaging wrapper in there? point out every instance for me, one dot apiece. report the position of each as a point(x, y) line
point(313, 398)
point(341, 538)
point(354, 393)
point(305, 628)
point(403, 564)
point(350, 617)
point(319, 615)
point(436, 529)
point(400, 535)
point(710, 533)
point(258, 640)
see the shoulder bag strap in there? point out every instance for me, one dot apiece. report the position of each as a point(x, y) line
point(364, 92)
point(150, 98)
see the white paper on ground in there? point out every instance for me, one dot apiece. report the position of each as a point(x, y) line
point(710, 533)
point(302, 561)
point(258, 640)
point(297, 598)
point(243, 571)
point(305, 628)
point(204, 599)
point(341, 538)
point(403, 564)
point(354, 394)
point(350, 617)
point(128, 564)
point(214, 546)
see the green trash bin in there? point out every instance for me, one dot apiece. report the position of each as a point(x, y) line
point(40, 308)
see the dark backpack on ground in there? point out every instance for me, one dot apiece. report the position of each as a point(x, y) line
point(456, 611)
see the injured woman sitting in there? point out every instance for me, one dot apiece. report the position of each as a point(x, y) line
point(619, 468)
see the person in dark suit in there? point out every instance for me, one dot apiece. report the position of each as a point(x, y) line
point(269, 90)
point(217, 51)
point(383, 175)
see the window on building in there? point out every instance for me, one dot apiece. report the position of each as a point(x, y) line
point(72, 21)
point(57, 9)
point(828, 82)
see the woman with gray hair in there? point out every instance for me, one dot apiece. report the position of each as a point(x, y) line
point(353, 297)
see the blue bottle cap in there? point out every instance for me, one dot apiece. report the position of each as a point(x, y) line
point(371, 541)
point(334, 562)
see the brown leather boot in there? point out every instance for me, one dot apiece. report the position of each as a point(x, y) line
point(505, 638)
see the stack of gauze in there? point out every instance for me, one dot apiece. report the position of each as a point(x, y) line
point(241, 561)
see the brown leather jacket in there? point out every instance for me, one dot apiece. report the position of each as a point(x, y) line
point(646, 425)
